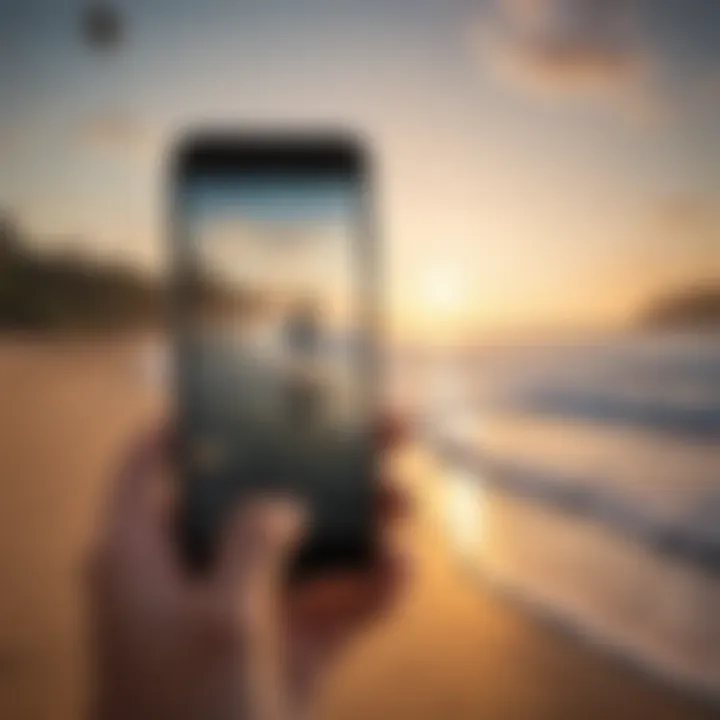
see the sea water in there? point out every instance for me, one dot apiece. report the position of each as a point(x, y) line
point(597, 466)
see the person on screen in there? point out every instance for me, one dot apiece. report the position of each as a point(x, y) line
point(303, 336)
point(303, 329)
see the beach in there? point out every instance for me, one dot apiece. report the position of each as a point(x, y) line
point(450, 649)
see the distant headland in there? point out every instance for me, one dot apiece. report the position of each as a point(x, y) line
point(42, 291)
point(690, 308)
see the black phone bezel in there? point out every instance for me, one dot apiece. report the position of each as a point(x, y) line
point(307, 153)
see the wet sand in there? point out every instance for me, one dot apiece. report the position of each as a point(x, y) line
point(450, 650)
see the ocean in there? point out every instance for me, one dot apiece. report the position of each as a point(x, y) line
point(584, 479)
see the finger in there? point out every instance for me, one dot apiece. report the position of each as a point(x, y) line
point(333, 616)
point(392, 504)
point(390, 432)
point(137, 489)
point(349, 595)
point(133, 534)
point(333, 604)
point(330, 613)
point(258, 543)
point(259, 537)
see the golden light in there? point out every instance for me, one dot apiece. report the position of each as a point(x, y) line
point(464, 511)
point(444, 290)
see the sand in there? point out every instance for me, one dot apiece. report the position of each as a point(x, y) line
point(449, 650)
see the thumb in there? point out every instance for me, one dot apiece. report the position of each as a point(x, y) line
point(258, 542)
point(258, 545)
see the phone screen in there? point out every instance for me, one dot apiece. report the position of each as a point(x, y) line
point(275, 372)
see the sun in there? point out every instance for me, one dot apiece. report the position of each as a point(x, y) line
point(444, 291)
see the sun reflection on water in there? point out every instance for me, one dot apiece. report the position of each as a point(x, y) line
point(464, 511)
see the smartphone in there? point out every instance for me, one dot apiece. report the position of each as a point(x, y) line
point(274, 319)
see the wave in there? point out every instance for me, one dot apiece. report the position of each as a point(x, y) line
point(648, 413)
point(588, 497)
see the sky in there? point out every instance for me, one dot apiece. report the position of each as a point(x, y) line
point(540, 163)
point(292, 238)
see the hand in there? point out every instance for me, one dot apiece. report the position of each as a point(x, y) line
point(236, 643)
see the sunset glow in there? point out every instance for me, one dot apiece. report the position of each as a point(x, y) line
point(535, 168)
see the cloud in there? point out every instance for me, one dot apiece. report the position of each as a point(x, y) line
point(566, 47)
